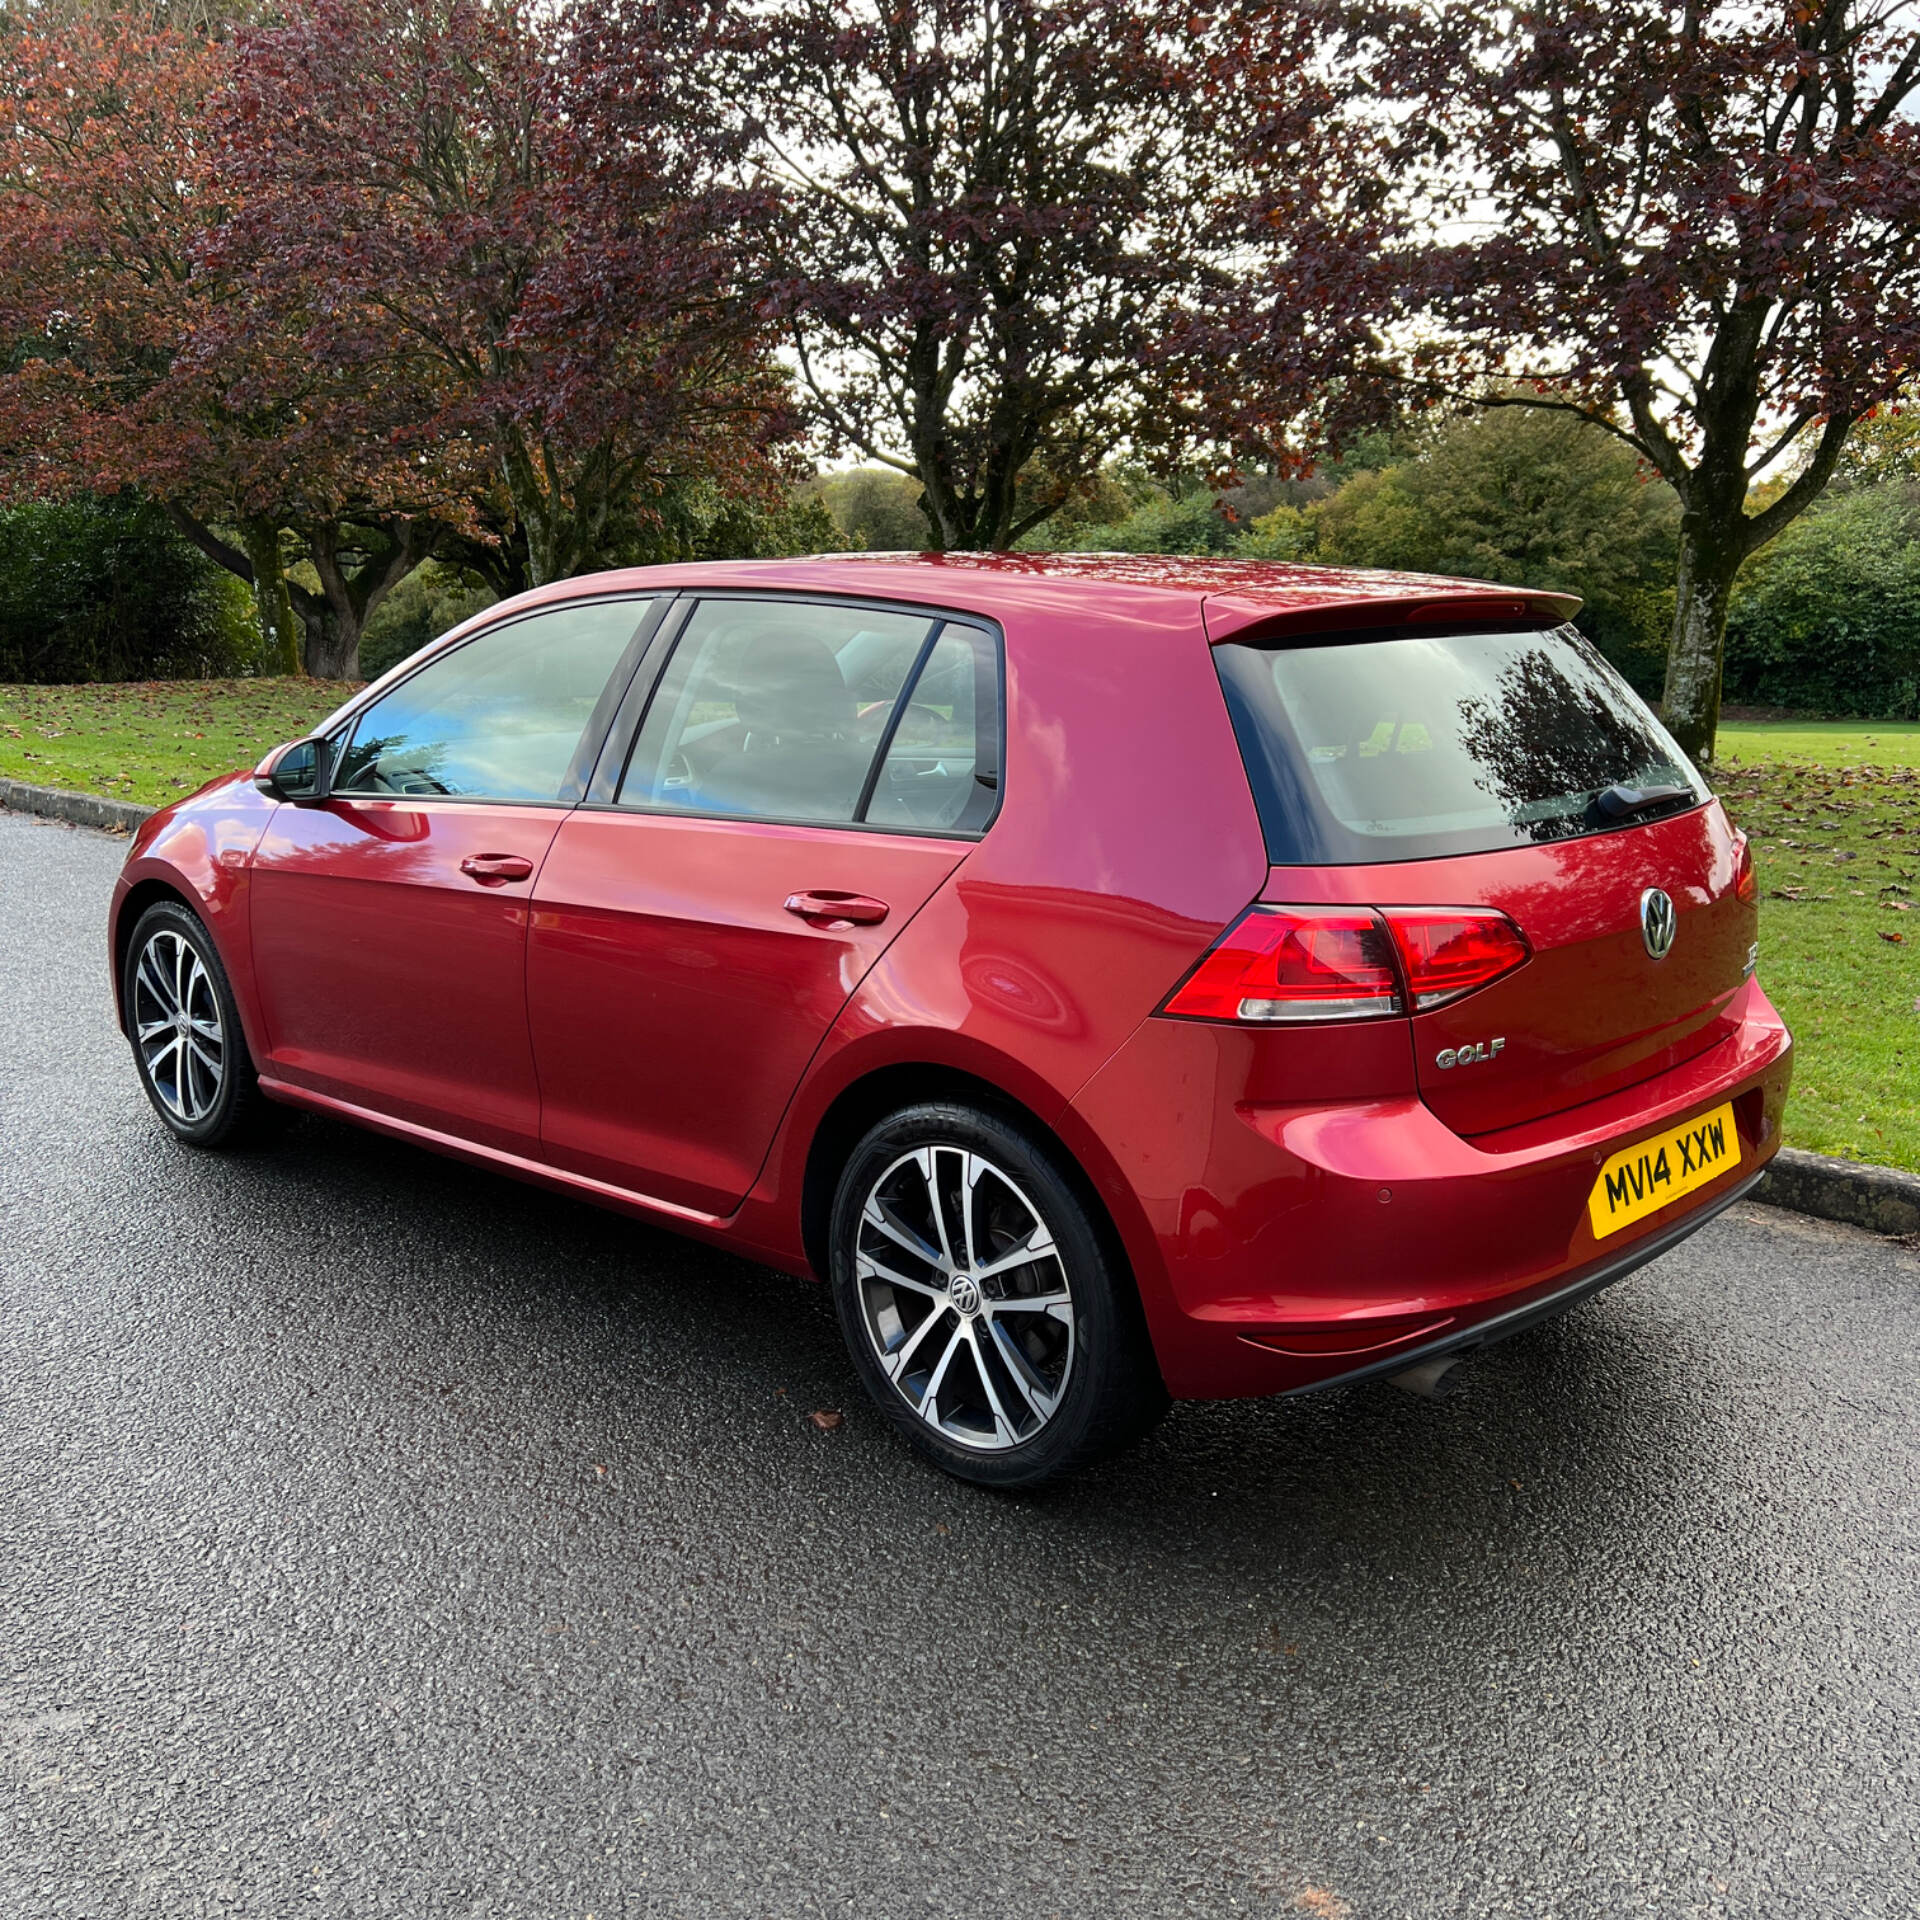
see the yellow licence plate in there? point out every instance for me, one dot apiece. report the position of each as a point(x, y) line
point(1643, 1178)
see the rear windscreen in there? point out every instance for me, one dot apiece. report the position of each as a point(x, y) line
point(1405, 748)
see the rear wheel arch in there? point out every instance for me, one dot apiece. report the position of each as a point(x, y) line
point(865, 1102)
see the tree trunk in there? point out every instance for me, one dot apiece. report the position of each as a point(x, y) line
point(332, 638)
point(1710, 556)
point(557, 541)
point(278, 626)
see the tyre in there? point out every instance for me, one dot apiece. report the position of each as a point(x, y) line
point(983, 1311)
point(185, 1030)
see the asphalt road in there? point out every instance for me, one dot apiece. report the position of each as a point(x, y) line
point(382, 1538)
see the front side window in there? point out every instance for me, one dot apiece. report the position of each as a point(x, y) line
point(498, 718)
point(1417, 745)
point(774, 710)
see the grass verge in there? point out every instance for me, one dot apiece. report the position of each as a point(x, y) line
point(152, 741)
point(1834, 814)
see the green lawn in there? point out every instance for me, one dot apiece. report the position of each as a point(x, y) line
point(1831, 809)
point(152, 741)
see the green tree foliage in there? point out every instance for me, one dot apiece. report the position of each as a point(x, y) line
point(1525, 498)
point(1827, 619)
point(95, 589)
point(1186, 522)
point(875, 509)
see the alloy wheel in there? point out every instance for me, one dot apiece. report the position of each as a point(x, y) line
point(965, 1297)
point(177, 1026)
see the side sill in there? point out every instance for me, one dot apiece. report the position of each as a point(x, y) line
point(1484, 1333)
point(451, 1144)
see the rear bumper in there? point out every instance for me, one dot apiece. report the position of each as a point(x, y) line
point(1566, 1293)
point(1283, 1245)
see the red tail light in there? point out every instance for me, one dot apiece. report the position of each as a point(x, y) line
point(1746, 883)
point(1312, 963)
point(1448, 951)
point(1295, 963)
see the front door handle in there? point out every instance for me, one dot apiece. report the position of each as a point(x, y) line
point(829, 910)
point(492, 868)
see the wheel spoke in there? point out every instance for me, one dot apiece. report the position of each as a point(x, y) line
point(174, 1050)
point(875, 1271)
point(971, 1168)
point(179, 971)
point(929, 1408)
point(883, 1219)
point(1002, 1426)
point(145, 1030)
point(1037, 1394)
point(898, 1360)
point(1030, 1303)
point(930, 1173)
point(1038, 1245)
point(150, 975)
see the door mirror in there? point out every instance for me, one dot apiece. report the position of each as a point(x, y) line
point(297, 773)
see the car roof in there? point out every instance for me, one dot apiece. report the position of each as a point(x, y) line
point(1239, 599)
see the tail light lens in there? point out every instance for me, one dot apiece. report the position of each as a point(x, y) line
point(1450, 951)
point(1307, 963)
point(1746, 883)
point(1291, 963)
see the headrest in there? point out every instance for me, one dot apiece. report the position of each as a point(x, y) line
point(787, 684)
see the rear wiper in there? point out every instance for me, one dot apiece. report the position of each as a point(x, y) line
point(1622, 802)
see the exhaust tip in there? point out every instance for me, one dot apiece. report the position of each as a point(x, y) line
point(1431, 1379)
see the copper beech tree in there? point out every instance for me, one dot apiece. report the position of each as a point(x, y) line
point(518, 222)
point(124, 365)
point(1696, 223)
point(1011, 230)
point(371, 284)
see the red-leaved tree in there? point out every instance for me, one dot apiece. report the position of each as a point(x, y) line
point(1012, 228)
point(123, 363)
point(516, 219)
point(1695, 223)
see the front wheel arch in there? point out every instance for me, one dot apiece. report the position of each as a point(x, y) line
point(141, 896)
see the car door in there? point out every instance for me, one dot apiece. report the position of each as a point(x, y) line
point(390, 920)
point(805, 776)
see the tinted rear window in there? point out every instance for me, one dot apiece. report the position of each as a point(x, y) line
point(1409, 747)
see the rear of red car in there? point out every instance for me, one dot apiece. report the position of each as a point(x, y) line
point(1491, 1036)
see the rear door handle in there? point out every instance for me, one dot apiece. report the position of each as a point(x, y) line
point(829, 910)
point(490, 868)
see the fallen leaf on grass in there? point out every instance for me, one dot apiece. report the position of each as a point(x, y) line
point(826, 1419)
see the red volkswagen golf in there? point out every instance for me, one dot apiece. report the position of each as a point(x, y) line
point(1116, 978)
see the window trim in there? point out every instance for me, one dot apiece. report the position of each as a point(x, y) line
point(653, 608)
point(623, 738)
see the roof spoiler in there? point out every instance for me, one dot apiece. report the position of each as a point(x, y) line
point(1261, 616)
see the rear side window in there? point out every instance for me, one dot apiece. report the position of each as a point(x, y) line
point(1414, 746)
point(821, 715)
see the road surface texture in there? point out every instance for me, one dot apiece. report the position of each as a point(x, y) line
point(379, 1537)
